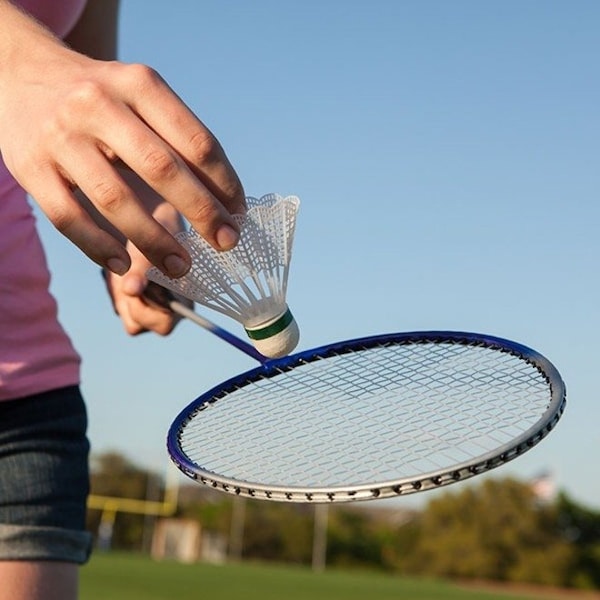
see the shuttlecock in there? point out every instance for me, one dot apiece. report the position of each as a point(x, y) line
point(249, 282)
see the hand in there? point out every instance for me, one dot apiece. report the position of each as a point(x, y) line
point(66, 120)
point(128, 292)
point(137, 312)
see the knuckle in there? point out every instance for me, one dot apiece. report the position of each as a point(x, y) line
point(23, 164)
point(142, 76)
point(62, 218)
point(85, 94)
point(164, 328)
point(76, 106)
point(133, 329)
point(235, 190)
point(204, 214)
point(108, 195)
point(51, 128)
point(203, 147)
point(160, 165)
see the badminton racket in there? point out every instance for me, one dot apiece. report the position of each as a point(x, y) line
point(376, 417)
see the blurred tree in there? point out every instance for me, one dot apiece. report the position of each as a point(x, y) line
point(112, 474)
point(581, 527)
point(495, 531)
point(281, 532)
point(353, 538)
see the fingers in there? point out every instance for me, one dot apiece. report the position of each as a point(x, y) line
point(59, 204)
point(165, 113)
point(96, 114)
point(162, 141)
point(117, 203)
point(168, 174)
point(137, 315)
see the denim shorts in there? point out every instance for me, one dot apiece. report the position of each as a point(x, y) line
point(44, 478)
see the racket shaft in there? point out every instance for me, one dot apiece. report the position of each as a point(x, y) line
point(163, 297)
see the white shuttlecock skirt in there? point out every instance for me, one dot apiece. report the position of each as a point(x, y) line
point(249, 282)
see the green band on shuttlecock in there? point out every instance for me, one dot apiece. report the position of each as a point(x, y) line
point(272, 329)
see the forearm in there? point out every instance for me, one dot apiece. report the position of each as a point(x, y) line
point(17, 29)
point(23, 41)
point(22, 37)
point(31, 53)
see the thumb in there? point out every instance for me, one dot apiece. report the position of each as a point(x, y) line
point(133, 284)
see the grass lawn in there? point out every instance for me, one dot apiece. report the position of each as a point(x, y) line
point(134, 577)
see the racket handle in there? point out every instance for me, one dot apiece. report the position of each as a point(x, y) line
point(163, 297)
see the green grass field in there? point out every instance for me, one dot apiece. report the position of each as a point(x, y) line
point(133, 577)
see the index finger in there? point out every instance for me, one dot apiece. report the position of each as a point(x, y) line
point(171, 119)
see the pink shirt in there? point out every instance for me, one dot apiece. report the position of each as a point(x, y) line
point(36, 355)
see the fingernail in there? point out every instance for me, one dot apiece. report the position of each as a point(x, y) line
point(175, 266)
point(118, 266)
point(227, 237)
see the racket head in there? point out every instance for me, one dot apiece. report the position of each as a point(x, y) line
point(476, 402)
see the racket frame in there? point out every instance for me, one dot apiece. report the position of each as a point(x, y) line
point(384, 489)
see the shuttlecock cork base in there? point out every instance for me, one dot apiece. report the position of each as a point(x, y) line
point(277, 337)
point(249, 282)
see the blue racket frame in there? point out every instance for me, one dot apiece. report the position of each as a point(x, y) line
point(385, 489)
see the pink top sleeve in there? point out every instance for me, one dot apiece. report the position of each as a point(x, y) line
point(58, 15)
point(36, 354)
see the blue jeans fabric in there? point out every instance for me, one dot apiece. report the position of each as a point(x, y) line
point(44, 477)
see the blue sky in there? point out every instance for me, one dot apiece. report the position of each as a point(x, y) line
point(446, 154)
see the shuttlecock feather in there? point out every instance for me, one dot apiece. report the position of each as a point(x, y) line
point(249, 282)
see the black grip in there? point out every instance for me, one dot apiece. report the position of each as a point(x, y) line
point(158, 295)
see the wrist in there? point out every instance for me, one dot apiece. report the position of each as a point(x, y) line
point(20, 35)
point(27, 48)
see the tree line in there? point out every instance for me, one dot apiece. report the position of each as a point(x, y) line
point(498, 530)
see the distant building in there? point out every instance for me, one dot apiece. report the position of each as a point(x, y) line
point(185, 541)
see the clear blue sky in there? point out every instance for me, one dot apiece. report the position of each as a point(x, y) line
point(446, 154)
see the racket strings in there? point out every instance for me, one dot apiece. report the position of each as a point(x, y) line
point(409, 408)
